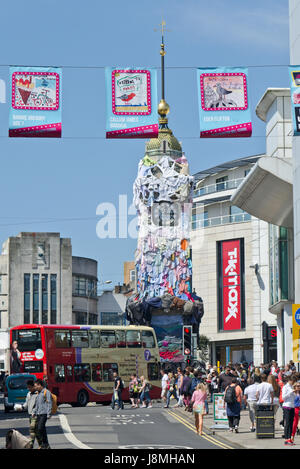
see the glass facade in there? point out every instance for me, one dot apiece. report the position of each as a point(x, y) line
point(26, 298)
point(53, 298)
point(85, 286)
point(279, 246)
point(44, 299)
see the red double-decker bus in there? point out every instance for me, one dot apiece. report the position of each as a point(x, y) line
point(79, 361)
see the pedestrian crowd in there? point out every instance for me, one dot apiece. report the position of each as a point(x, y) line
point(243, 386)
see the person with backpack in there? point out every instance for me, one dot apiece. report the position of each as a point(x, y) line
point(42, 410)
point(233, 400)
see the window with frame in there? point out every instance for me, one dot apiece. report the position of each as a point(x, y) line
point(148, 339)
point(69, 373)
point(94, 337)
point(80, 339)
point(153, 371)
point(82, 372)
point(133, 339)
point(59, 373)
point(62, 339)
point(108, 370)
point(121, 339)
point(108, 339)
point(96, 372)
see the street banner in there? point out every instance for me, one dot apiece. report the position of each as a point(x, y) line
point(296, 333)
point(294, 72)
point(231, 288)
point(35, 102)
point(131, 103)
point(223, 100)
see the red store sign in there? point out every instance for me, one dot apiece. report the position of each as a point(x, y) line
point(231, 277)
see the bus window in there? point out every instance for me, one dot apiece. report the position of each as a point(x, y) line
point(133, 339)
point(121, 340)
point(94, 339)
point(108, 369)
point(69, 373)
point(153, 371)
point(148, 339)
point(28, 339)
point(82, 372)
point(62, 339)
point(59, 373)
point(80, 339)
point(96, 372)
point(108, 339)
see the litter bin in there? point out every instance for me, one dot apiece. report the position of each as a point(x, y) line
point(265, 427)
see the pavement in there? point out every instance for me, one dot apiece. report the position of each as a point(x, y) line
point(245, 439)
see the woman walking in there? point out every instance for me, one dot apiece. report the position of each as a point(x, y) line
point(171, 390)
point(273, 381)
point(198, 400)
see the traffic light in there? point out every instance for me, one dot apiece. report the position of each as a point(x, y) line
point(187, 340)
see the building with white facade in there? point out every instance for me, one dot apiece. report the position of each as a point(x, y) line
point(236, 306)
point(267, 193)
point(42, 283)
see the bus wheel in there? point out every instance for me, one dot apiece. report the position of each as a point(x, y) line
point(82, 398)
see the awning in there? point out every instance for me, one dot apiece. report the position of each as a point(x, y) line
point(267, 191)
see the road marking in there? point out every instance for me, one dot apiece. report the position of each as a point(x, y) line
point(69, 435)
point(204, 435)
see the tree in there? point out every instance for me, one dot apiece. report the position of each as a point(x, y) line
point(203, 344)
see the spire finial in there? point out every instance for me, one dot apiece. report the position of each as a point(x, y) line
point(163, 107)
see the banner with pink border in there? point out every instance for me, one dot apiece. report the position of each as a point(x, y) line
point(35, 102)
point(224, 110)
point(131, 102)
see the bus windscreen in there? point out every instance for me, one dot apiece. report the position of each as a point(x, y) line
point(28, 339)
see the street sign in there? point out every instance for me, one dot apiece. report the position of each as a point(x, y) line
point(296, 333)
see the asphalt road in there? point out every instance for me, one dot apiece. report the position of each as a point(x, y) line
point(100, 427)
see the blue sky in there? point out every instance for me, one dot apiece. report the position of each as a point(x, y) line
point(56, 185)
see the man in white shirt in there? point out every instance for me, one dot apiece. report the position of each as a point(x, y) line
point(265, 392)
point(250, 399)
